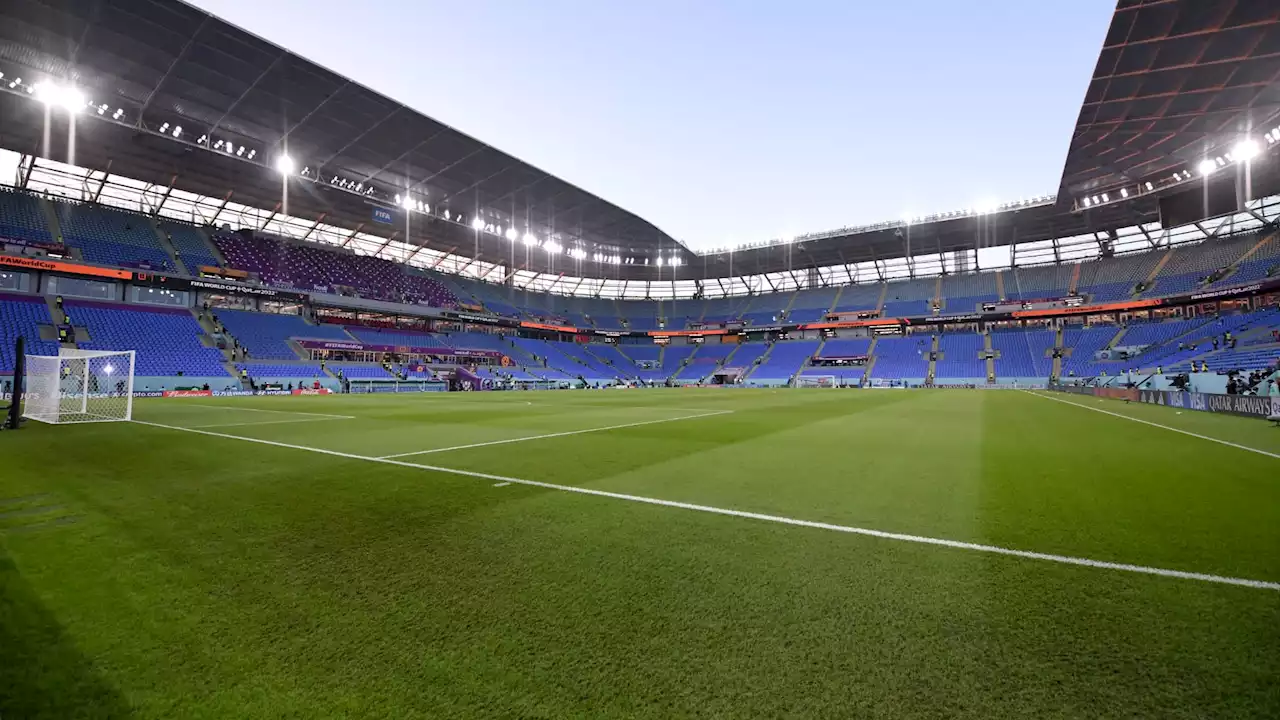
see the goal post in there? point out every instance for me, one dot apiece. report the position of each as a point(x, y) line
point(78, 386)
point(818, 381)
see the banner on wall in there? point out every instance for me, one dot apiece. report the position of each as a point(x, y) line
point(187, 393)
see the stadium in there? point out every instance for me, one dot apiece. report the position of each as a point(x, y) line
point(320, 407)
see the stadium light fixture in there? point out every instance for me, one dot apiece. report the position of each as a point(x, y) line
point(177, 131)
point(1246, 150)
point(284, 164)
point(551, 246)
point(252, 153)
point(406, 202)
point(54, 95)
point(1105, 198)
point(511, 234)
point(1149, 186)
point(1207, 167)
point(1086, 202)
point(1124, 192)
point(477, 224)
point(530, 239)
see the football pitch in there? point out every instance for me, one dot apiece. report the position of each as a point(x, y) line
point(650, 554)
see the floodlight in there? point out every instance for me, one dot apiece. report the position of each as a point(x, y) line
point(551, 246)
point(284, 164)
point(1149, 186)
point(658, 261)
point(407, 203)
point(1207, 167)
point(108, 369)
point(530, 239)
point(67, 98)
point(1105, 198)
point(1124, 192)
point(1246, 150)
point(1086, 202)
point(477, 223)
point(177, 131)
point(511, 234)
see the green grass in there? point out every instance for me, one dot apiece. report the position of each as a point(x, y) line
point(153, 573)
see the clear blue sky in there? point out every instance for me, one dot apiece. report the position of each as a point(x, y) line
point(732, 122)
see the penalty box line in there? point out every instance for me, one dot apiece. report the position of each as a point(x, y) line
point(554, 435)
point(1228, 443)
point(901, 537)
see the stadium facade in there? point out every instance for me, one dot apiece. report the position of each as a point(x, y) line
point(233, 173)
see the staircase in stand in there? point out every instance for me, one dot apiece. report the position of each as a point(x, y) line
point(1116, 340)
point(871, 360)
point(1000, 284)
point(1057, 361)
point(1151, 276)
point(933, 363)
point(1075, 278)
point(991, 360)
point(884, 290)
point(167, 244)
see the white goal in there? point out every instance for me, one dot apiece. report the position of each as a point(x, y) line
point(820, 381)
point(79, 386)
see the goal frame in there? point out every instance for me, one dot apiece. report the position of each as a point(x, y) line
point(817, 381)
point(55, 397)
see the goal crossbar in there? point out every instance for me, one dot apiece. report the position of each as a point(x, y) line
point(79, 386)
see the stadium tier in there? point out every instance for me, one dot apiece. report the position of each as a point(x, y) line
point(22, 219)
point(282, 372)
point(959, 356)
point(167, 341)
point(783, 360)
point(192, 246)
point(902, 357)
point(112, 237)
point(22, 316)
point(305, 266)
point(1023, 353)
point(399, 338)
point(266, 335)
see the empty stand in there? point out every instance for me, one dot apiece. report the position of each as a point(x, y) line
point(266, 335)
point(22, 316)
point(112, 237)
point(167, 341)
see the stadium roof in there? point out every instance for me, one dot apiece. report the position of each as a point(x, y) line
point(1177, 81)
point(1173, 77)
point(163, 61)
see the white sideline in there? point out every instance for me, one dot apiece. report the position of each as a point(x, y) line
point(956, 544)
point(554, 435)
point(1153, 424)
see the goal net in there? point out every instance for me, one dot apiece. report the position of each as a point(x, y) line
point(79, 386)
point(819, 381)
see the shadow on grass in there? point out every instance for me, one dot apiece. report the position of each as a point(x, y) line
point(42, 673)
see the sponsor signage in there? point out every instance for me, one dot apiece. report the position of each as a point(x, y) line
point(401, 349)
point(237, 289)
point(68, 268)
point(383, 215)
point(1250, 405)
point(187, 393)
point(52, 247)
point(311, 391)
point(223, 272)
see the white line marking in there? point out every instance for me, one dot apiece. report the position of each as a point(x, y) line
point(554, 435)
point(271, 422)
point(942, 542)
point(501, 484)
point(1152, 424)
